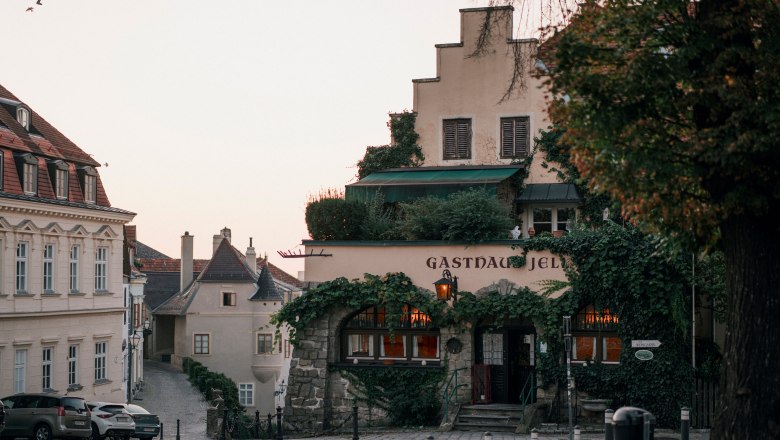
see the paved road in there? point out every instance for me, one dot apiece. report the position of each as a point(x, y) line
point(169, 394)
point(462, 435)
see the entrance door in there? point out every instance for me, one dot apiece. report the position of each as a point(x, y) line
point(509, 354)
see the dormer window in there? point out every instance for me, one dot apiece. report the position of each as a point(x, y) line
point(28, 170)
point(89, 184)
point(23, 117)
point(58, 170)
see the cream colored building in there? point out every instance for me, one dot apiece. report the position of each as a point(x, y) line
point(62, 302)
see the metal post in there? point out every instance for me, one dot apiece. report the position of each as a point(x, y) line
point(162, 425)
point(646, 426)
point(608, 432)
point(279, 432)
point(355, 435)
point(270, 426)
point(569, 381)
point(685, 423)
point(178, 437)
point(577, 433)
point(534, 434)
point(130, 353)
point(257, 424)
point(223, 435)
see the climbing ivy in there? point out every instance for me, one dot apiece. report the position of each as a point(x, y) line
point(404, 152)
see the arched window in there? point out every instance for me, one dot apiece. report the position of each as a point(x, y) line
point(366, 338)
point(595, 337)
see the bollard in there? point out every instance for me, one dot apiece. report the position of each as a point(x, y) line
point(161, 430)
point(257, 424)
point(223, 431)
point(355, 435)
point(685, 423)
point(577, 433)
point(646, 425)
point(279, 432)
point(270, 426)
point(534, 434)
point(430, 437)
point(178, 437)
point(487, 436)
point(608, 433)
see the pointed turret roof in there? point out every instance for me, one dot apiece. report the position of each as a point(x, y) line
point(266, 287)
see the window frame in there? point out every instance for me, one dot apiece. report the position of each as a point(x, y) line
point(48, 268)
point(197, 346)
point(61, 184)
point(73, 365)
point(73, 268)
point(249, 389)
point(30, 179)
point(461, 139)
point(23, 117)
point(598, 325)
point(47, 368)
point(22, 266)
point(268, 343)
point(228, 299)
point(20, 370)
point(525, 150)
point(101, 354)
point(554, 223)
point(101, 269)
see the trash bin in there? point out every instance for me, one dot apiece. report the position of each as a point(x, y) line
point(628, 423)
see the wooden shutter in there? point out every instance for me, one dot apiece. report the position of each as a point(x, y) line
point(457, 138)
point(521, 137)
point(507, 137)
point(514, 137)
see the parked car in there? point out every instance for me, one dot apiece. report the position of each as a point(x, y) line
point(111, 420)
point(147, 425)
point(45, 416)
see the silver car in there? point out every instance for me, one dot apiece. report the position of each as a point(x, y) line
point(45, 416)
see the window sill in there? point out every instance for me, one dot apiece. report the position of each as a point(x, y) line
point(75, 387)
point(383, 363)
point(102, 382)
point(76, 293)
point(50, 295)
point(23, 295)
point(50, 391)
point(103, 293)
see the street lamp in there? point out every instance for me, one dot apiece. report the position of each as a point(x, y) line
point(447, 287)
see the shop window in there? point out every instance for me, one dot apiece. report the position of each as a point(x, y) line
point(595, 336)
point(366, 337)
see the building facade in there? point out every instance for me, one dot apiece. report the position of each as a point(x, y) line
point(62, 301)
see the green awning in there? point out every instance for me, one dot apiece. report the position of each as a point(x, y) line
point(549, 193)
point(398, 185)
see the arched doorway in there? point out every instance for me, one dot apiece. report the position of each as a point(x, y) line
point(504, 363)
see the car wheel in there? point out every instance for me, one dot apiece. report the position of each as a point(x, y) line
point(42, 432)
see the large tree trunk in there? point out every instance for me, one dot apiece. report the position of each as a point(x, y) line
point(749, 407)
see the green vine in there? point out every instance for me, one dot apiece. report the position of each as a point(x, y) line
point(404, 152)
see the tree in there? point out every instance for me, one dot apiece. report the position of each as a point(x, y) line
point(673, 108)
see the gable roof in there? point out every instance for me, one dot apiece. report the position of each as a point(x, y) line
point(144, 251)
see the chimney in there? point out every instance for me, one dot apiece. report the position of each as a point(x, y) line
point(185, 273)
point(251, 258)
point(224, 233)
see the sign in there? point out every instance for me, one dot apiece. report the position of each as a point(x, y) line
point(645, 343)
point(644, 355)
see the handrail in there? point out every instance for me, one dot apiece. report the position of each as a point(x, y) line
point(527, 393)
point(449, 393)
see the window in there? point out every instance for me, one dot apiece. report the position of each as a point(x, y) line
point(30, 178)
point(20, 371)
point(46, 366)
point(228, 299)
point(515, 137)
point(2, 170)
point(48, 268)
point(246, 394)
point(201, 342)
point(457, 138)
point(74, 269)
point(595, 337)
point(90, 188)
point(553, 219)
point(366, 337)
point(265, 343)
point(100, 361)
point(101, 269)
point(287, 348)
point(21, 267)
point(73, 365)
point(23, 117)
point(61, 178)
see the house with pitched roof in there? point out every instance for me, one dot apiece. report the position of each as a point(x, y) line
point(63, 315)
point(220, 317)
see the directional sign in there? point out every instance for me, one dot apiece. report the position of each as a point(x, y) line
point(644, 355)
point(645, 343)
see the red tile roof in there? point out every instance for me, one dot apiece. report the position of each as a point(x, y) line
point(169, 265)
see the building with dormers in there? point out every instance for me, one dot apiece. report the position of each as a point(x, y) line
point(63, 310)
point(220, 317)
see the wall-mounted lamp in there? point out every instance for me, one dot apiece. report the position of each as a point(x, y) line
point(447, 287)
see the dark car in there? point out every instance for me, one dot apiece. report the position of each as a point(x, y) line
point(146, 425)
point(45, 416)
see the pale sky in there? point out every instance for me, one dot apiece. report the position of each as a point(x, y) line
point(222, 113)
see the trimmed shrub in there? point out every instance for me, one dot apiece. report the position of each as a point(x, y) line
point(331, 217)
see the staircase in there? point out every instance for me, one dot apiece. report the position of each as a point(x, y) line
point(493, 417)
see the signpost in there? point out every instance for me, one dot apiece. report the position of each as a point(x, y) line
point(645, 343)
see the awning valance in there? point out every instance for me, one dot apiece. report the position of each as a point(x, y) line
point(549, 193)
point(398, 185)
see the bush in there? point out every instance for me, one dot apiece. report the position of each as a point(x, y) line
point(331, 217)
point(206, 380)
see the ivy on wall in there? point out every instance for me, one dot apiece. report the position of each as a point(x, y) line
point(404, 152)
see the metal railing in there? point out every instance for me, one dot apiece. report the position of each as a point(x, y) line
point(527, 393)
point(451, 391)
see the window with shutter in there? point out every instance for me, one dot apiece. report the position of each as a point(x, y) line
point(515, 137)
point(457, 138)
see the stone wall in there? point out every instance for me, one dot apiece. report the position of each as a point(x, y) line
point(318, 400)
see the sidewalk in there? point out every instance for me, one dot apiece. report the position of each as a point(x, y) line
point(473, 435)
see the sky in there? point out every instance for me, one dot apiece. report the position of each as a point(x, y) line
point(213, 114)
